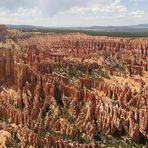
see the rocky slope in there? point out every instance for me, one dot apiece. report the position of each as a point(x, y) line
point(73, 90)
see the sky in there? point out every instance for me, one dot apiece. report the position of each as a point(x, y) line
point(72, 13)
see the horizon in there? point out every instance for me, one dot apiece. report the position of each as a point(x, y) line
point(73, 26)
point(78, 13)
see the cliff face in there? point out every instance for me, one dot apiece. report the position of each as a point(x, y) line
point(6, 66)
point(74, 90)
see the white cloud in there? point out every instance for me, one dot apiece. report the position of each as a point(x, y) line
point(111, 7)
point(139, 14)
point(50, 6)
point(27, 12)
point(137, 2)
point(70, 12)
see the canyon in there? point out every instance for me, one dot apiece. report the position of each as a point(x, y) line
point(72, 90)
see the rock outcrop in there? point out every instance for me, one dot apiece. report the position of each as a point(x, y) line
point(3, 32)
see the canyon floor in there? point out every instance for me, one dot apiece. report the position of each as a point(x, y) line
point(72, 90)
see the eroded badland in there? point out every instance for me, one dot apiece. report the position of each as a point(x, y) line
point(72, 90)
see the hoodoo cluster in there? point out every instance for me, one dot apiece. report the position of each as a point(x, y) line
point(67, 90)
